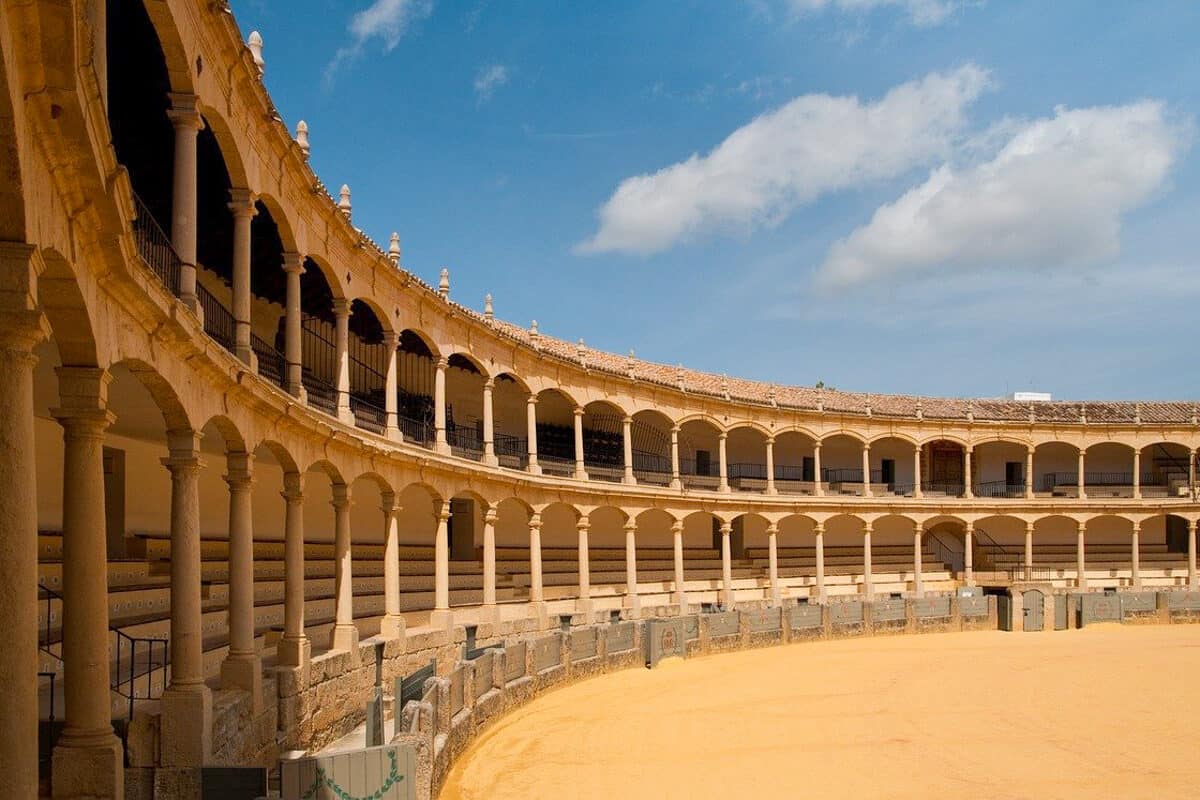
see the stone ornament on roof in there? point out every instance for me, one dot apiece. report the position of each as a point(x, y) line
point(302, 137)
point(488, 312)
point(444, 284)
point(255, 44)
point(344, 200)
point(394, 248)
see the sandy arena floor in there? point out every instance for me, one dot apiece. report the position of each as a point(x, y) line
point(1103, 712)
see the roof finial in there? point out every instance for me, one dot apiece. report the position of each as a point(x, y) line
point(255, 43)
point(970, 411)
point(679, 377)
point(302, 137)
point(488, 312)
point(1032, 413)
point(920, 410)
point(394, 248)
point(725, 385)
point(631, 364)
point(344, 200)
point(771, 397)
point(821, 400)
point(1194, 420)
point(1083, 413)
point(1137, 413)
point(533, 331)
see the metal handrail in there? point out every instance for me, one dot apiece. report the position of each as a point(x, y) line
point(367, 415)
point(143, 656)
point(218, 320)
point(270, 361)
point(415, 430)
point(154, 246)
point(999, 489)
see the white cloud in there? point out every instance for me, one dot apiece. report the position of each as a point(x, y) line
point(785, 158)
point(488, 80)
point(1052, 196)
point(923, 13)
point(387, 20)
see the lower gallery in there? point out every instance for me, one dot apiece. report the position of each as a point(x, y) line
point(262, 486)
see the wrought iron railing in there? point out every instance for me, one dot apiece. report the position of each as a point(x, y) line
point(417, 431)
point(511, 451)
point(154, 246)
point(321, 394)
point(465, 441)
point(218, 320)
point(651, 462)
point(950, 488)
point(999, 489)
point(1052, 480)
point(139, 660)
point(46, 638)
point(367, 415)
point(271, 364)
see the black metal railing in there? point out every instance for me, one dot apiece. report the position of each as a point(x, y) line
point(999, 489)
point(1052, 480)
point(511, 451)
point(218, 320)
point(154, 246)
point(48, 728)
point(367, 415)
point(951, 488)
point(412, 686)
point(321, 394)
point(138, 660)
point(740, 470)
point(651, 462)
point(46, 638)
point(417, 431)
point(271, 364)
point(464, 440)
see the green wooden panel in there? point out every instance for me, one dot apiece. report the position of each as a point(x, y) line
point(1096, 607)
point(514, 661)
point(665, 638)
point(846, 613)
point(725, 623)
point(765, 620)
point(583, 644)
point(620, 637)
point(805, 617)
point(973, 606)
point(934, 606)
point(889, 610)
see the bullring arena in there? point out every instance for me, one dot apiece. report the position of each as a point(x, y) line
point(275, 506)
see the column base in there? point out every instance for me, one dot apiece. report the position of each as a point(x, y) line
point(537, 611)
point(344, 637)
point(345, 415)
point(442, 447)
point(293, 652)
point(679, 598)
point(772, 491)
point(629, 480)
point(441, 618)
point(675, 484)
point(491, 461)
point(580, 475)
point(724, 488)
point(245, 354)
point(244, 671)
point(393, 433)
point(94, 767)
point(186, 738)
point(392, 627)
point(533, 469)
point(632, 604)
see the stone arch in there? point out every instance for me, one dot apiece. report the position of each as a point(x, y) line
point(228, 142)
point(178, 63)
point(283, 222)
point(234, 441)
point(383, 484)
point(12, 193)
point(60, 298)
point(329, 469)
point(281, 454)
point(164, 395)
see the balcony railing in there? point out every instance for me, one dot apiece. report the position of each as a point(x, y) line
point(321, 395)
point(999, 489)
point(154, 246)
point(367, 415)
point(465, 441)
point(270, 361)
point(417, 431)
point(218, 320)
point(511, 451)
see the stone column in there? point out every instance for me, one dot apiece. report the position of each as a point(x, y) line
point(584, 605)
point(726, 567)
point(968, 479)
point(186, 738)
point(243, 210)
point(88, 758)
point(632, 601)
point(969, 554)
point(531, 432)
point(345, 634)
point(294, 649)
point(439, 407)
point(535, 558)
point(1137, 474)
point(293, 266)
point(21, 328)
point(489, 561)
point(723, 465)
point(1080, 565)
point(187, 122)
point(917, 492)
point(580, 463)
point(773, 565)
point(489, 425)
point(771, 466)
point(391, 389)
point(868, 581)
point(1082, 487)
point(818, 488)
point(819, 530)
point(676, 483)
point(680, 595)
point(341, 357)
point(1029, 551)
point(242, 668)
point(441, 617)
point(627, 439)
point(918, 576)
point(1029, 473)
point(866, 470)
point(1135, 555)
point(1193, 578)
point(392, 626)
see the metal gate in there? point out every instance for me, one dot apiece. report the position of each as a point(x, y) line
point(1004, 611)
point(1033, 604)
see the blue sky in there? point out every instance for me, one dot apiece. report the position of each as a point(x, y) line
point(955, 198)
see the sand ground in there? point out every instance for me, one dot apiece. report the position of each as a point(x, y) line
point(1107, 711)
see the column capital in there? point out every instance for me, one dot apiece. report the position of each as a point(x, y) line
point(443, 514)
point(341, 496)
point(391, 340)
point(817, 445)
point(677, 526)
point(726, 527)
point(819, 528)
point(341, 307)
point(387, 502)
point(578, 411)
point(1137, 526)
point(867, 527)
point(241, 203)
point(183, 112)
point(582, 524)
point(490, 516)
point(293, 262)
point(535, 520)
point(1191, 523)
point(1029, 527)
point(631, 526)
point(442, 363)
point(84, 423)
point(531, 400)
point(723, 435)
point(772, 529)
point(239, 473)
point(771, 440)
point(918, 527)
point(675, 430)
point(969, 526)
point(293, 488)
point(627, 421)
point(1083, 527)
point(182, 465)
point(489, 384)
